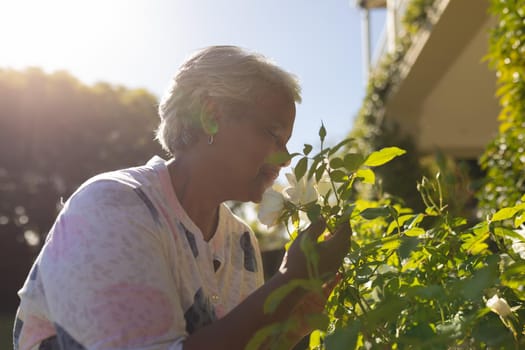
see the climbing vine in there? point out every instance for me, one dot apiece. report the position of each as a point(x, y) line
point(504, 157)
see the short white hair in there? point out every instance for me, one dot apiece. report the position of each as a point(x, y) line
point(225, 74)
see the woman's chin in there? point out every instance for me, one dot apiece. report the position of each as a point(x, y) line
point(256, 193)
point(256, 197)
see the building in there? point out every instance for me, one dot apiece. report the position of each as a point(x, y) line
point(445, 96)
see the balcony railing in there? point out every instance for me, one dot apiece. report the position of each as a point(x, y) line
point(390, 31)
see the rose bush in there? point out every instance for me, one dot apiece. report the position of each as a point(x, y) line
point(411, 280)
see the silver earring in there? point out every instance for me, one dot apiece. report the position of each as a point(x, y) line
point(210, 140)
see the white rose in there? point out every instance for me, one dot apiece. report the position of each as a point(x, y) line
point(499, 306)
point(518, 245)
point(270, 208)
point(301, 192)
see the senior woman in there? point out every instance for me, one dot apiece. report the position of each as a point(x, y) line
point(150, 257)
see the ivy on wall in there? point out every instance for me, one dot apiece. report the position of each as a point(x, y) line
point(504, 157)
point(373, 131)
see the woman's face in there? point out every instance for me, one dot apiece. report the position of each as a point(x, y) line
point(246, 141)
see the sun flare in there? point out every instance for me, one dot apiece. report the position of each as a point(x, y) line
point(56, 34)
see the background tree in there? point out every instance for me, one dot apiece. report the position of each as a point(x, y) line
point(56, 132)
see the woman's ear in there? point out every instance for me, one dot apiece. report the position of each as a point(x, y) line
point(209, 117)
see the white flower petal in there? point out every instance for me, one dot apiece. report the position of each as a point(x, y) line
point(519, 248)
point(301, 192)
point(499, 306)
point(518, 245)
point(270, 208)
point(311, 194)
point(291, 179)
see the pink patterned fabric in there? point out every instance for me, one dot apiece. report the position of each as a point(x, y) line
point(124, 267)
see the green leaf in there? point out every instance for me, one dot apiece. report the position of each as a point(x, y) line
point(352, 161)
point(504, 214)
point(480, 228)
point(430, 292)
point(475, 244)
point(314, 212)
point(416, 219)
point(414, 232)
point(315, 339)
point(383, 156)
point(408, 244)
point(431, 211)
point(458, 222)
point(418, 334)
point(514, 275)
point(280, 157)
point(400, 221)
point(338, 176)
point(344, 338)
point(390, 243)
point(307, 149)
point(336, 163)
point(352, 294)
point(277, 296)
point(519, 219)
point(300, 168)
point(260, 338)
point(366, 175)
point(386, 311)
point(322, 132)
point(507, 233)
point(320, 171)
point(372, 213)
point(493, 333)
point(472, 288)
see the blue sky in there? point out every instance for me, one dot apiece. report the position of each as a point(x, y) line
point(141, 43)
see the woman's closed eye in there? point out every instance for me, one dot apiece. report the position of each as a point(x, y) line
point(275, 135)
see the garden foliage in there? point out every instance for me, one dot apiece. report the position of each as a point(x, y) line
point(424, 277)
point(412, 279)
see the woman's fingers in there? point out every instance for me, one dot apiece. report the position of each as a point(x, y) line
point(341, 238)
point(334, 249)
point(315, 229)
point(344, 230)
point(331, 251)
point(329, 286)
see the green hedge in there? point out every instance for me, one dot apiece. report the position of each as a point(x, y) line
point(504, 157)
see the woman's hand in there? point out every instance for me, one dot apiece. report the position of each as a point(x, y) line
point(310, 304)
point(249, 317)
point(330, 251)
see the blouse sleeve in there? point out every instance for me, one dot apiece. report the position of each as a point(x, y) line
point(107, 276)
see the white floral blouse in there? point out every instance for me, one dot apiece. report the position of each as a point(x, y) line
point(124, 267)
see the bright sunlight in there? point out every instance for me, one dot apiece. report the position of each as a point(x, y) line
point(60, 34)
